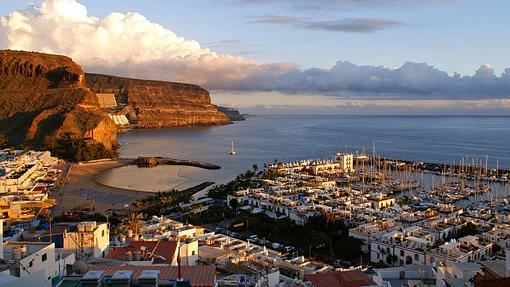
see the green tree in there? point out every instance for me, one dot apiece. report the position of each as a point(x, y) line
point(166, 202)
point(133, 221)
point(3, 141)
point(233, 203)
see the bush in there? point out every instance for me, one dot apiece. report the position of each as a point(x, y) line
point(75, 149)
point(3, 142)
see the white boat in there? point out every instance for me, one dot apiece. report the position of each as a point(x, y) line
point(232, 150)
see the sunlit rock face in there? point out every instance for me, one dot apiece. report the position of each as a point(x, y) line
point(151, 104)
point(43, 97)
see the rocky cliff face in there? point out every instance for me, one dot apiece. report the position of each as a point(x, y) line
point(233, 114)
point(149, 104)
point(43, 97)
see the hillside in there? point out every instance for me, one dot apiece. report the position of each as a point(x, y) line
point(43, 99)
point(150, 104)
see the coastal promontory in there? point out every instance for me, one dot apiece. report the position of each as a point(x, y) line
point(155, 104)
point(48, 101)
point(44, 101)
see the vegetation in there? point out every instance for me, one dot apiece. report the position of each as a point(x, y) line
point(76, 149)
point(214, 214)
point(133, 221)
point(243, 181)
point(78, 217)
point(405, 200)
point(321, 235)
point(468, 229)
point(3, 141)
point(165, 202)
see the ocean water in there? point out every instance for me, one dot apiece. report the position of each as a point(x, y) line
point(261, 139)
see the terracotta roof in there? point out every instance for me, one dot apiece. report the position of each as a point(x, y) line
point(500, 282)
point(199, 275)
point(353, 278)
point(165, 249)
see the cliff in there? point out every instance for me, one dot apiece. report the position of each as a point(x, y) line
point(150, 104)
point(43, 97)
point(232, 114)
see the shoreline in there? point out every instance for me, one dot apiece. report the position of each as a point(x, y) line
point(162, 178)
point(151, 161)
point(84, 186)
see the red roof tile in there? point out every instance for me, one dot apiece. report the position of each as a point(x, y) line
point(500, 282)
point(199, 275)
point(165, 249)
point(353, 278)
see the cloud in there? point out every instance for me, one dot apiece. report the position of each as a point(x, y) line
point(410, 81)
point(351, 25)
point(131, 45)
point(127, 44)
point(290, 104)
point(338, 4)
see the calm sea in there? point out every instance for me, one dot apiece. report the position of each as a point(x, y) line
point(262, 139)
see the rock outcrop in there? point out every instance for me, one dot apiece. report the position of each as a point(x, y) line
point(152, 104)
point(43, 97)
point(233, 114)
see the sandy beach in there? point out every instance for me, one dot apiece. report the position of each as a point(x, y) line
point(159, 178)
point(82, 186)
point(116, 184)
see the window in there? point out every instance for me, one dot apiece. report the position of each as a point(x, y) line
point(102, 233)
point(192, 252)
point(30, 264)
point(44, 257)
point(401, 252)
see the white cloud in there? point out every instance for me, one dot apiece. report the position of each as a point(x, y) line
point(131, 45)
point(127, 44)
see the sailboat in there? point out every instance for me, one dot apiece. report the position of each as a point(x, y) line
point(232, 150)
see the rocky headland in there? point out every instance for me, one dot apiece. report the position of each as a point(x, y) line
point(155, 104)
point(48, 101)
point(44, 98)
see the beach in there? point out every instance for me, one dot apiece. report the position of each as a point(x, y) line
point(82, 186)
point(159, 178)
point(116, 184)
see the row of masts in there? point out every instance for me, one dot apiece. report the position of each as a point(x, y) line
point(470, 172)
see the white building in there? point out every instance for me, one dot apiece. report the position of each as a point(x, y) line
point(32, 263)
point(346, 161)
point(87, 239)
point(20, 172)
point(415, 245)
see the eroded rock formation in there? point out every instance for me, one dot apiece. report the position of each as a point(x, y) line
point(150, 104)
point(43, 97)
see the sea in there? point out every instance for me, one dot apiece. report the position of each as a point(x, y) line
point(263, 139)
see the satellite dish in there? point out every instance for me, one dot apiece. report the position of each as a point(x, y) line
point(80, 267)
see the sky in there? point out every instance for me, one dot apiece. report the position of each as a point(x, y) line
point(288, 56)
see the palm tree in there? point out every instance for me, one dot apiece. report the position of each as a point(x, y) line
point(166, 202)
point(133, 221)
point(328, 216)
point(138, 203)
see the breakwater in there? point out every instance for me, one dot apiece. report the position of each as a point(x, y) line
point(151, 161)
